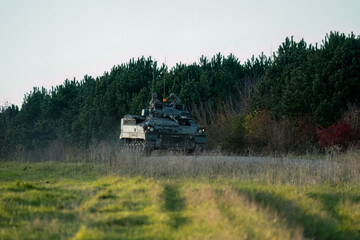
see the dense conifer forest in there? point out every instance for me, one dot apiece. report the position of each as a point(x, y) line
point(283, 102)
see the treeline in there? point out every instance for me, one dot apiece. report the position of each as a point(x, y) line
point(309, 95)
point(79, 113)
point(243, 105)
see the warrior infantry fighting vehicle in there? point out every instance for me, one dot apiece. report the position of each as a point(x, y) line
point(166, 125)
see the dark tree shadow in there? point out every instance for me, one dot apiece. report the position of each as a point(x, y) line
point(174, 204)
point(314, 226)
point(331, 200)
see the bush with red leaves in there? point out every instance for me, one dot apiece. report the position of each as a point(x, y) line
point(340, 134)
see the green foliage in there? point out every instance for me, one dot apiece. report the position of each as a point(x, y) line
point(7, 117)
point(234, 134)
point(310, 80)
point(256, 126)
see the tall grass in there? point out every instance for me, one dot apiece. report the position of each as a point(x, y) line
point(334, 168)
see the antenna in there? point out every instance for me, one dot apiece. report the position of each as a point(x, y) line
point(164, 85)
point(152, 84)
point(164, 78)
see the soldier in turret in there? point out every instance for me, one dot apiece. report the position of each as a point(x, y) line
point(173, 99)
point(154, 100)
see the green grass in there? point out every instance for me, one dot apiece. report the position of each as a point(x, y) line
point(53, 200)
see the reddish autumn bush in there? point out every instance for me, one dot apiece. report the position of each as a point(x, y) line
point(340, 134)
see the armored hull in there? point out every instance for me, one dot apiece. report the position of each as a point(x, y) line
point(162, 126)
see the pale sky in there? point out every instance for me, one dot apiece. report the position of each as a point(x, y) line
point(43, 42)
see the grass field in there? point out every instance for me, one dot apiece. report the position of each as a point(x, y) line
point(98, 200)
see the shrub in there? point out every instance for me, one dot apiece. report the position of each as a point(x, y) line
point(352, 116)
point(257, 129)
point(231, 132)
point(285, 135)
point(340, 134)
point(302, 134)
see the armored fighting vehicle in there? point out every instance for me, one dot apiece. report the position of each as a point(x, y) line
point(164, 125)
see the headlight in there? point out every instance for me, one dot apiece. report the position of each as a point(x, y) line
point(201, 130)
point(151, 129)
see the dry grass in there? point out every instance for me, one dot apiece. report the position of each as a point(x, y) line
point(334, 168)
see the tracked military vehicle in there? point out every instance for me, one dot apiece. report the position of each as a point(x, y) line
point(164, 125)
